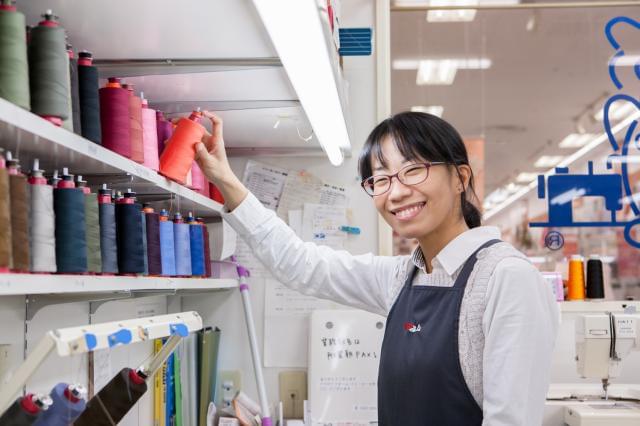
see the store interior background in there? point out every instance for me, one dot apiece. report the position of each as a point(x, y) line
point(547, 79)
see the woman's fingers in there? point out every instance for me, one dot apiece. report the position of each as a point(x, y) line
point(201, 151)
point(216, 125)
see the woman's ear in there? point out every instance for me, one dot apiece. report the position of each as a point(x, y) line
point(464, 175)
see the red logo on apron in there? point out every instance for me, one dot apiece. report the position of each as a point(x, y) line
point(411, 327)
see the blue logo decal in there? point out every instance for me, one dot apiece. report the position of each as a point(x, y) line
point(562, 188)
point(554, 240)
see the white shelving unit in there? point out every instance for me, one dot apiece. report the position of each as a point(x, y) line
point(29, 136)
point(213, 55)
point(29, 284)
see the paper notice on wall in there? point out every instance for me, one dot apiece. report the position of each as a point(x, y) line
point(302, 187)
point(295, 221)
point(344, 353)
point(244, 256)
point(286, 325)
point(321, 225)
point(101, 369)
point(265, 182)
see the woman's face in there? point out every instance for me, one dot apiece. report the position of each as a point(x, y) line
point(419, 210)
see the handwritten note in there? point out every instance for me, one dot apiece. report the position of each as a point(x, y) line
point(265, 182)
point(344, 351)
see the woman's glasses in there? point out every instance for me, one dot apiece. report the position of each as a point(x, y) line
point(413, 174)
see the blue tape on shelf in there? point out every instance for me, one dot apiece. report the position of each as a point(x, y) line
point(179, 329)
point(120, 337)
point(90, 340)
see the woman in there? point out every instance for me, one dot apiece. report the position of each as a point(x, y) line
point(470, 323)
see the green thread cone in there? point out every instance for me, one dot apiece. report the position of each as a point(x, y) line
point(49, 72)
point(14, 71)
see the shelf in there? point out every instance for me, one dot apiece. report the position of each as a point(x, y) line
point(584, 306)
point(29, 136)
point(27, 284)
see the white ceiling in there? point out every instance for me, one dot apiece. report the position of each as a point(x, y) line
point(540, 80)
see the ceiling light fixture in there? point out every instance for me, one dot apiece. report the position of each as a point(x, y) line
point(565, 163)
point(576, 140)
point(617, 111)
point(440, 71)
point(436, 110)
point(548, 161)
point(460, 63)
point(628, 60)
point(436, 73)
point(303, 49)
point(460, 15)
point(526, 177)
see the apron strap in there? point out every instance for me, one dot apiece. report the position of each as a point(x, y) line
point(461, 281)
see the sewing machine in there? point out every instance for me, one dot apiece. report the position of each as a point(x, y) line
point(603, 340)
point(562, 188)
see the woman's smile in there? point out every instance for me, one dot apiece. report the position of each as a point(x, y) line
point(408, 212)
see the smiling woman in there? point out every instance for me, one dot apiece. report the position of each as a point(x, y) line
point(476, 306)
point(414, 143)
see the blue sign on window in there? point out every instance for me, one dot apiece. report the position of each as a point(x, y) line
point(562, 188)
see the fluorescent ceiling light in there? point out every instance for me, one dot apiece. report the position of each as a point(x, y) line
point(443, 71)
point(512, 187)
point(617, 111)
point(627, 60)
point(436, 73)
point(525, 177)
point(565, 163)
point(303, 50)
point(497, 196)
point(548, 161)
point(436, 110)
point(460, 63)
point(629, 159)
point(460, 15)
point(577, 140)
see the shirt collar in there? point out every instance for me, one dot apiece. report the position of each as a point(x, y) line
point(458, 250)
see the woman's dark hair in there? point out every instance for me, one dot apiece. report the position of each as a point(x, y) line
point(420, 136)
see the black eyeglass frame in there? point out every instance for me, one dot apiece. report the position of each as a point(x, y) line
point(397, 176)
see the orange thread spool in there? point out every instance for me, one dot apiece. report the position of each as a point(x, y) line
point(576, 278)
point(179, 153)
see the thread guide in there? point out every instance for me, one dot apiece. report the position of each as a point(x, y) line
point(30, 137)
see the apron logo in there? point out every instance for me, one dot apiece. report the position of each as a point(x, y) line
point(412, 328)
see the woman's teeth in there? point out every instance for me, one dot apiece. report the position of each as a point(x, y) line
point(410, 211)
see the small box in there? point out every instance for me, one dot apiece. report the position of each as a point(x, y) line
point(554, 280)
point(228, 421)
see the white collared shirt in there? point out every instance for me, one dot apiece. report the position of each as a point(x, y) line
point(508, 317)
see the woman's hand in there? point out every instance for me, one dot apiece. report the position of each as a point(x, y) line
point(210, 153)
point(212, 159)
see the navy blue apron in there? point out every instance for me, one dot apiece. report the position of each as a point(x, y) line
point(420, 381)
